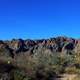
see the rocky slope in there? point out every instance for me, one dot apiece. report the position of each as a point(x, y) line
point(10, 51)
point(58, 44)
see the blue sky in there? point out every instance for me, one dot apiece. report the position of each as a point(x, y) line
point(39, 18)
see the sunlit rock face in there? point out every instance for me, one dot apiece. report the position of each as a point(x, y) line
point(58, 44)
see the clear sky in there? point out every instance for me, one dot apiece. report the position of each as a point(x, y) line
point(39, 18)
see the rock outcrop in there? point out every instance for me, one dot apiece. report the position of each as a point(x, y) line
point(58, 44)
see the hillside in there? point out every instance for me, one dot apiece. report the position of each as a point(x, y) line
point(44, 59)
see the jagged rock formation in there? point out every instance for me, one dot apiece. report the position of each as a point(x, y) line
point(58, 44)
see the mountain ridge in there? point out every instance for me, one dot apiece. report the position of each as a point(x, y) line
point(57, 44)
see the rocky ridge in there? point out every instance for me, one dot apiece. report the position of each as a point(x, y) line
point(58, 44)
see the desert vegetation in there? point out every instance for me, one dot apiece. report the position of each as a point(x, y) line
point(50, 59)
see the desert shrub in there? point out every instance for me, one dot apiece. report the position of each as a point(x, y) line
point(73, 64)
point(71, 70)
point(21, 75)
point(77, 58)
point(46, 64)
point(18, 75)
point(44, 73)
point(54, 61)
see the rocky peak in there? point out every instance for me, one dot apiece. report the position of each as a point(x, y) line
point(57, 44)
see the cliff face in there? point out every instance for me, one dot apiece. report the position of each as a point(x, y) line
point(58, 44)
